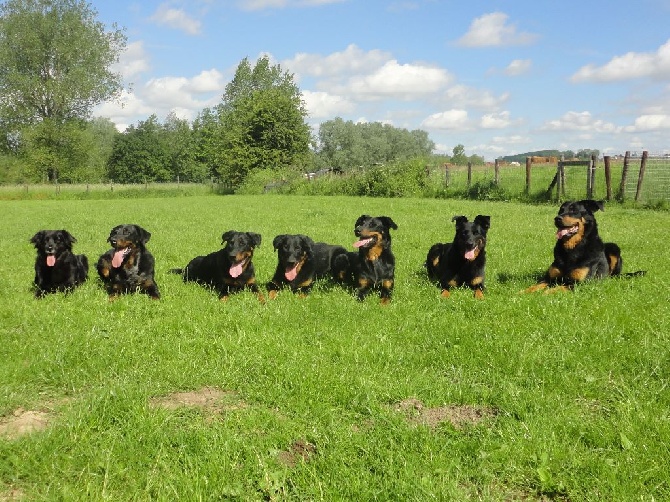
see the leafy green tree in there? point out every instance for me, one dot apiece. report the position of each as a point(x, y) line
point(261, 123)
point(102, 133)
point(57, 152)
point(205, 135)
point(179, 141)
point(55, 65)
point(347, 145)
point(140, 154)
point(459, 158)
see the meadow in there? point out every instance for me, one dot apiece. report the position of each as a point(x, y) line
point(513, 397)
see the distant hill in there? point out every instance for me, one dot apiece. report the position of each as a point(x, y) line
point(521, 157)
point(584, 154)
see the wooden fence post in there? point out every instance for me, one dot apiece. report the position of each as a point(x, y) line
point(640, 178)
point(469, 174)
point(592, 175)
point(528, 164)
point(447, 175)
point(624, 174)
point(496, 172)
point(608, 177)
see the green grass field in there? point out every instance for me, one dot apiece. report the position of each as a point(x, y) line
point(515, 397)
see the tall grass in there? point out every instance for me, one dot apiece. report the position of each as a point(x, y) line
point(572, 388)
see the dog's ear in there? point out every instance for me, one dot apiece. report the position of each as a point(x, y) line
point(255, 238)
point(388, 222)
point(361, 219)
point(37, 238)
point(593, 205)
point(307, 243)
point(144, 235)
point(483, 221)
point(68, 237)
point(278, 241)
point(226, 236)
point(460, 220)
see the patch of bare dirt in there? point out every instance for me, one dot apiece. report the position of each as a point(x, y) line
point(209, 399)
point(459, 416)
point(299, 450)
point(11, 495)
point(22, 422)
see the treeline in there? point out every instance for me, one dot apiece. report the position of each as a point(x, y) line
point(176, 150)
point(259, 125)
point(584, 154)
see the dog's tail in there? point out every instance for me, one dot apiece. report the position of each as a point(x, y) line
point(637, 273)
point(179, 271)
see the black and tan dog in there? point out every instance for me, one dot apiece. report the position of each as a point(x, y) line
point(463, 261)
point(374, 267)
point(57, 268)
point(579, 253)
point(129, 266)
point(228, 270)
point(300, 261)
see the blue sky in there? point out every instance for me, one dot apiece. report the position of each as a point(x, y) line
point(499, 77)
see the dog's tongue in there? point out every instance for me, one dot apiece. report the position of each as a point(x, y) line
point(237, 269)
point(291, 272)
point(363, 242)
point(51, 260)
point(117, 259)
point(562, 232)
point(470, 254)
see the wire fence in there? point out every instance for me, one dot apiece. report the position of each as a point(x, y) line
point(642, 178)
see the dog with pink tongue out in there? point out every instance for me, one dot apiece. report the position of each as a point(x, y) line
point(374, 267)
point(301, 261)
point(57, 268)
point(129, 266)
point(228, 270)
point(463, 261)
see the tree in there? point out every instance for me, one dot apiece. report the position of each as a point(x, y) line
point(140, 154)
point(55, 66)
point(459, 158)
point(261, 122)
point(346, 145)
point(55, 60)
point(179, 141)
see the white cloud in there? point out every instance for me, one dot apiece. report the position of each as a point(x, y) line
point(511, 140)
point(649, 123)
point(133, 61)
point(493, 30)
point(580, 121)
point(321, 105)
point(403, 81)
point(655, 65)
point(280, 4)
point(496, 120)
point(450, 119)
point(351, 60)
point(462, 96)
point(124, 110)
point(207, 81)
point(177, 19)
point(518, 67)
point(186, 97)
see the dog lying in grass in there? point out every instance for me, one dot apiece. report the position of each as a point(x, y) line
point(374, 267)
point(301, 261)
point(228, 270)
point(129, 266)
point(463, 261)
point(57, 268)
point(579, 253)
